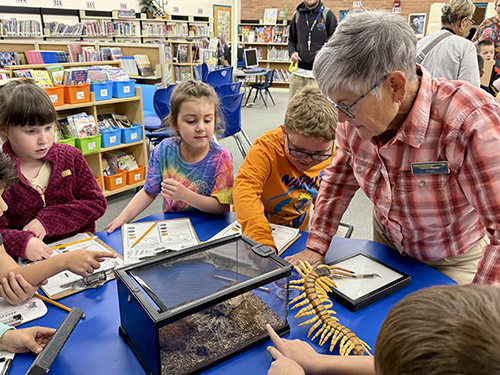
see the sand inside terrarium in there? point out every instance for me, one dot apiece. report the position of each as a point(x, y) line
point(202, 338)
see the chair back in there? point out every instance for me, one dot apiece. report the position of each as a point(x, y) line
point(147, 92)
point(231, 113)
point(161, 101)
point(204, 72)
point(269, 79)
point(228, 89)
point(221, 76)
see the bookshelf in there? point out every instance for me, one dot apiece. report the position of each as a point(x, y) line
point(185, 55)
point(271, 43)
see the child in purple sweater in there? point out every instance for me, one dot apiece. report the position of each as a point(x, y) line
point(57, 195)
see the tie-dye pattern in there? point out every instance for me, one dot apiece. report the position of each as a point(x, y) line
point(212, 176)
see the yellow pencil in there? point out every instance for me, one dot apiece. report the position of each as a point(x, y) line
point(143, 235)
point(57, 304)
point(72, 243)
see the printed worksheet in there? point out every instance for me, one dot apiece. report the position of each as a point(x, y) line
point(283, 236)
point(14, 315)
point(66, 280)
point(146, 239)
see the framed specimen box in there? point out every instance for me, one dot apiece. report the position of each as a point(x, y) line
point(373, 280)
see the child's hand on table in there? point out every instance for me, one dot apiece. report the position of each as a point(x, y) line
point(24, 340)
point(37, 249)
point(37, 228)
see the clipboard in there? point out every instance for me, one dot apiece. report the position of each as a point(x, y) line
point(487, 70)
point(67, 283)
point(14, 315)
point(146, 239)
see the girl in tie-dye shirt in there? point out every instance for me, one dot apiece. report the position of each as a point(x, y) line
point(190, 171)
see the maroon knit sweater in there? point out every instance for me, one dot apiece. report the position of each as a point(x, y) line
point(73, 200)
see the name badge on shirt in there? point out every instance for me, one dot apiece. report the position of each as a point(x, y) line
point(432, 167)
point(65, 173)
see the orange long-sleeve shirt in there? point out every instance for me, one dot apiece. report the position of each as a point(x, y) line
point(268, 188)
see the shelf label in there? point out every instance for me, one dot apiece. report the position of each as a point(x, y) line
point(53, 98)
point(22, 1)
point(104, 92)
point(175, 9)
point(119, 180)
point(123, 6)
point(356, 4)
point(80, 95)
point(57, 3)
point(91, 145)
point(90, 5)
point(200, 10)
point(133, 135)
point(112, 139)
point(137, 177)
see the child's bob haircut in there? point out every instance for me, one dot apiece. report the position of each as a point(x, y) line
point(8, 173)
point(24, 103)
point(311, 115)
point(195, 91)
point(442, 330)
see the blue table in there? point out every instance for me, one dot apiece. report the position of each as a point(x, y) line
point(96, 348)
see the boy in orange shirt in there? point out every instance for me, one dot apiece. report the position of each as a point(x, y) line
point(280, 177)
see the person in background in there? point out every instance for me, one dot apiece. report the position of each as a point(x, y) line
point(311, 26)
point(190, 171)
point(426, 152)
point(57, 195)
point(490, 29)
point(486, 50)
point(280, 177)
point(439, 330)
point(453, 57)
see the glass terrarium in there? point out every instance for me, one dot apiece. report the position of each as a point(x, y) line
point(188, 310)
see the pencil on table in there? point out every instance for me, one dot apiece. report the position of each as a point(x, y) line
point(144, 234)
point(52, 302)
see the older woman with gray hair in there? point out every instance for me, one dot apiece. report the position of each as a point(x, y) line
point(426, 152)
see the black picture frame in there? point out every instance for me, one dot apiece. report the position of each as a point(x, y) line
point(355, 294)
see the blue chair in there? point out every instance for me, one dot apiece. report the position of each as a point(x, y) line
point(221, 76)
point(231, 114)
point(264, 86)
point(228, 89)
point(204, 72)
point(161, 101)
point(151, 120)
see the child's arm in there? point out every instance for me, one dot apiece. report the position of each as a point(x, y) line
point(81, 262)
point(172, 189)
point(303, 354)
point(85, 203)
point(138, 204)
point(24, 340)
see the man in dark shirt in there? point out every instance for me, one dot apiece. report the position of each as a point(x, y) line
point(312, 25)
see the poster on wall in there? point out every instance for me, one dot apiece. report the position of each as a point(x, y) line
point(343, 13)
point(417, 23)
point(270, 16)
point(222, 22)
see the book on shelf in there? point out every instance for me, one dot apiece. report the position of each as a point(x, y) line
point(75, 50)
point(56, 73)
point(245, 31)
point(96, 74)
point(89, 54)
point(144, 65)
point(105, 53)
point(251, 36)
point(42, 78)
point(115, 53)
point(129, 64)
point(270, 15)
point(23, 73)
point(181, 53)
point(75, 76)
point(9, 58)
point(182, 73)
point(83, 125)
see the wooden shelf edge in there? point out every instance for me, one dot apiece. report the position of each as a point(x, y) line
point(107, 193)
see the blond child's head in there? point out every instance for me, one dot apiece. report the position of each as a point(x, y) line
point(309, 128)
point(442, 330)
point(27, 118)
point(486, 48)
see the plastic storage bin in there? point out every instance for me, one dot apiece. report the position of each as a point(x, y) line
point(88, 145)
point(124, 89)
point(111, 138)
point(115, 181)
point(77, 93)
point(133, 134)
point(102, 90)
point(135, 175)
point(69, 141)
point(99, 181)
point(56, 94)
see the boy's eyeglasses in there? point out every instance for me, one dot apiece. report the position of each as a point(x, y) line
point(346, 109)
point(299, 154)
